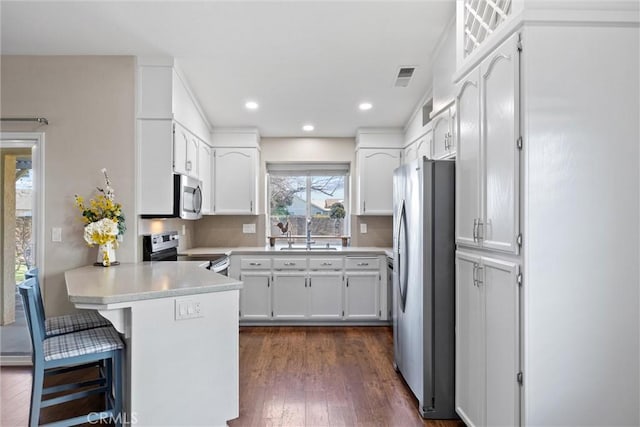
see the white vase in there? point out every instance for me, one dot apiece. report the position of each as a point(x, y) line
point(106, 254)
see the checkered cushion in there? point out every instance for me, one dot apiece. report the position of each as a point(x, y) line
point(89, 341)
point(74, 322)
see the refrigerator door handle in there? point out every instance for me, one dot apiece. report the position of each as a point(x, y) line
point(402, 284)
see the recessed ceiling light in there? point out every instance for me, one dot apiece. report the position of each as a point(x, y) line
point(308, 128)
point(364, 106)
point(251, 105)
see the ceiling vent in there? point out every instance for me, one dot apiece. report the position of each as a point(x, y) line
point(404, 76)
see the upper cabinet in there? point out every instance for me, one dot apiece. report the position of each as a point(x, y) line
point(378, 154)
point(205, 172)
point(236, 167)
point(488, 152)
point(444, 143)
point(185, 152)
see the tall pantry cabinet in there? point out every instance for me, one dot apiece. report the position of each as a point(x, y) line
point(547, 222)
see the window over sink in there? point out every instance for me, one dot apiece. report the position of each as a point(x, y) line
point(318, 191)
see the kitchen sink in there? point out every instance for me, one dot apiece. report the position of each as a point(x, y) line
point(312, 248)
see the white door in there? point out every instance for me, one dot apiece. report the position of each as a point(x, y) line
point(205, 161)
point(470, 341)
point(362, 292)
point(441, 134)
point(290, 295)
point(192, 157)
point(180, 144)
point(235, 172)
point(325, 295)
point(255, 296)
point(468, 186)
point(376, 180)
point(500, 89)
point(502, 319)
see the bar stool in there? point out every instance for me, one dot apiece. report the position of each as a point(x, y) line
point(101, 347)
point(57, 325)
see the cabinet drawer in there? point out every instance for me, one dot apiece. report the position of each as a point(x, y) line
point(290, 263)
point(255, 264)
point(362, 263)
point(325, 263)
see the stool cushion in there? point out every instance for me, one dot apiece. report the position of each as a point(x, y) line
point(74, 322)
point(89, 341)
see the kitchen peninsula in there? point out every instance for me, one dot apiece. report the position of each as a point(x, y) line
point(180, 323)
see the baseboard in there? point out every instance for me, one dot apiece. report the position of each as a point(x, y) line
point(6, 360)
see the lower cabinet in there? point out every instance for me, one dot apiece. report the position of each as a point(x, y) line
point(290, 295)
point(255, 297)
point(362, 291)
point(487, 340)
point(325, 295)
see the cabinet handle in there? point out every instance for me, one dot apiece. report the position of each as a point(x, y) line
point(289, 263)
point(188, 165)
point(364, 206)
point(327, 263)
point(305, 282)
point(475, 269)
point(475, 229)
point(255, 263)
point(347, 282)
point(363, 263)
point(480, 230)
point(251, 206)
point(268, 282)
point(309, 281)
point(478, 280)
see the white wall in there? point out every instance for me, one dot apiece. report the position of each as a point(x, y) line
point(89, 101)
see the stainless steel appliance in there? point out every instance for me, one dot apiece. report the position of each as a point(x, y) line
point(423, 283)
point(187, 199)
point(219, 265)
point(160, 247)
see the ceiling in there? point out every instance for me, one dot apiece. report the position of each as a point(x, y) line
point(302, 61)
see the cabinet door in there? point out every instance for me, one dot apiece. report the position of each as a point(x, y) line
point(235, 172)
point(424, 145)
point(502, 329)
point(500, 89)
point(205, 161)
point(325, 295)
point(376, 180)
point(470, 345)
point(362, 292)
point(441, 134)
point(410, 153)
point(290, 295)
point(255, 295)
point(468, 187)
point(192, 157)
point(180, 143)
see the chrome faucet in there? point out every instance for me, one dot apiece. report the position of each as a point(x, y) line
point(309, 242)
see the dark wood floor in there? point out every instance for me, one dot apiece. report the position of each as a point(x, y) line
point(289, 376)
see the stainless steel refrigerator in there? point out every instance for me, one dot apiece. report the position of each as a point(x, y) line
point(423, 283)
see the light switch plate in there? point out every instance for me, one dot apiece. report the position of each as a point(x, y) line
point(363, 228)
point(187, 309)
point(249, 228)
point(56, 234)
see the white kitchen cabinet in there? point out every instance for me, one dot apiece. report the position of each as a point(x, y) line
point(487, 181)
point(487, 340)
point(362, 295)
point(205, 165)
point(255, 295)
point(444, 145)
point(235, 171)
point(185, 152)
point(410, 153)
point(375, 180)
point(423, 145)
point(325, 295)
point(290, 295)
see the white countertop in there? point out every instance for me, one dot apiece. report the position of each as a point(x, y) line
point(262, 250)
point(147, 280)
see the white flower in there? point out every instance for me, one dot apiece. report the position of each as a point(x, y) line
point(101, 232)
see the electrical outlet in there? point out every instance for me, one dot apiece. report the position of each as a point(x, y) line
point(56, 234)
point(363, 228)
point(249, 228)
point(187, 309)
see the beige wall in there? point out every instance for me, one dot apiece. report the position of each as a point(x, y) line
point(89, 101)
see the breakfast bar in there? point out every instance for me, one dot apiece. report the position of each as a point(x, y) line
point(180, 324)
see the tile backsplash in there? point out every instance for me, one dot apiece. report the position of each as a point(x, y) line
point(226, 231)
point(379, 231)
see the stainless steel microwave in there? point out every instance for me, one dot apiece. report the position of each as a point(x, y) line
point(187, 197)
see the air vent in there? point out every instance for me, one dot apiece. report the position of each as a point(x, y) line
point(404, 76)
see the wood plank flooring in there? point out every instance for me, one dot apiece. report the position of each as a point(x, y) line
point(289, 376)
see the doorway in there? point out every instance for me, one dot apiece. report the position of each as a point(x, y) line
point(21, 235)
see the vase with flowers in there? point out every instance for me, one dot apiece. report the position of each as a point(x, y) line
point(104, 222)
